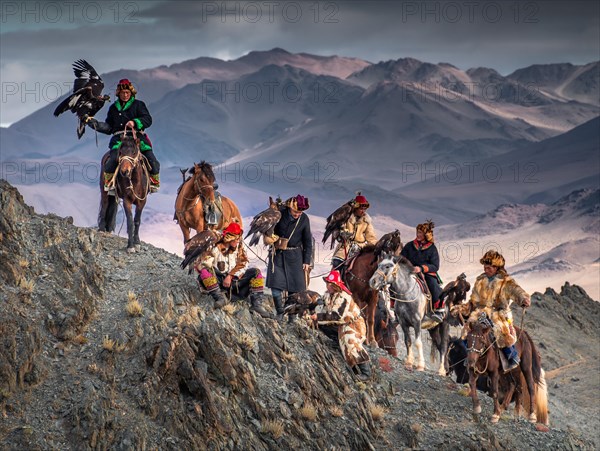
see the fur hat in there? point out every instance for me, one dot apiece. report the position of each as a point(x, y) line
point(232, 232)
point(124, 83)
point(360, 201)
point(427, 229)
point(493, 258)
point(299, 203)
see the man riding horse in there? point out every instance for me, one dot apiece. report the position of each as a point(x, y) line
point(126, 112)
point(355, 234)
point(493, 294)
point(424, 256)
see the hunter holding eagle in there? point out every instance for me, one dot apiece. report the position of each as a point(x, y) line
point(127, 112)
point(352, 226)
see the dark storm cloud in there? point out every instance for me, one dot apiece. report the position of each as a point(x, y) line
point(37, 48)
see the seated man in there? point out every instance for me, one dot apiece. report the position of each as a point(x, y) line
point(226, 269)
point(339, 309)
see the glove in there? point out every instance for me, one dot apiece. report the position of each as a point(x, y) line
point(526, 302)
point(90, 121)
point(345, 235)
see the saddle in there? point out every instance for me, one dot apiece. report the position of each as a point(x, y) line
point(213, 211)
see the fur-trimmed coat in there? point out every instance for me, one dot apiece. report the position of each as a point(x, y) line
point(339, 308)
point(494, 296)
point(284, 267)
point(233, 260)
point(362, 232)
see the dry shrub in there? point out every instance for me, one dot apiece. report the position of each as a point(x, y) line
point(377, 412)
point(273, 427)
point(134, 308)
point(308, 412)
point(230, 308)
point(336, 411)
point(112, 345)
point(80, 339)
point(23, 263)
point(131, 296)
point(26, 286)
point(93, 368)
point(246, 341)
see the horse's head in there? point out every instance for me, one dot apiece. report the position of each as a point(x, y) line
point(129, 155)
point(389, 270)
point(478, 339)
point(204, 180)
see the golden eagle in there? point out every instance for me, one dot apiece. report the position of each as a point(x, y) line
point(87, 98)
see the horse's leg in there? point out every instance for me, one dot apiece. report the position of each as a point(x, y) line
point(419, 344)
point(127, 207)
point(530, 389)
point(185, 230)
point(444, 339)
point(473, 386)
point(137, 220)
point(102, 225)
point(371, 306)
point(494, 378)
point(408, 363)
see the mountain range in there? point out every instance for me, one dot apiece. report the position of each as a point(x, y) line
point(420, 139)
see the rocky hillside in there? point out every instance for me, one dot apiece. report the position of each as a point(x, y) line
point(105, 350)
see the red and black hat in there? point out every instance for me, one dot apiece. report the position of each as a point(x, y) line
point(335, 278)
point(124, 83)
point(361, 201)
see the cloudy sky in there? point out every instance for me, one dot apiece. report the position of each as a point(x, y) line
point(40, 39)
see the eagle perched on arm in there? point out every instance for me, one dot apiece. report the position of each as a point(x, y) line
point(336, 221)
point(264, 223)
point(198, 246)
point(87, 98)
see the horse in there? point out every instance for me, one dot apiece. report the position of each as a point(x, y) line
point(360, 269)
point(132, 184)
point(457, 356)
point(483, 358)
point(410, 301)
point(453, 293)
point(195, 195)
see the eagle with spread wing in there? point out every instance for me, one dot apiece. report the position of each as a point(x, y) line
point(87, 98)
point(264, 222)
point(199, 245)
point(336, 221)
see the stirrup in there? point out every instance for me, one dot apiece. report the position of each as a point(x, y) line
point(154, 188)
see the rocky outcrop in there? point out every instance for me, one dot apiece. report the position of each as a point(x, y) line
point(102, 349)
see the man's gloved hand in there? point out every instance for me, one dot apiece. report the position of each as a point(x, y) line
point(345, 235)
point(526, 302)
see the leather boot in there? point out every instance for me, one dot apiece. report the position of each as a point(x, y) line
point(365, 371)
point(512, 356)
point(278, 307)
point(256, 301)
point(219, 298)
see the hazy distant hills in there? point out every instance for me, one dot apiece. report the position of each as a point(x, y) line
point(330, 125)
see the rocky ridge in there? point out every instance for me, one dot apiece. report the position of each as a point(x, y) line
point(81, 367)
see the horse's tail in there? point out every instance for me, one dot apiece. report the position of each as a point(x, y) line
point(541, 399)
point(541, 389)
point(536, 359)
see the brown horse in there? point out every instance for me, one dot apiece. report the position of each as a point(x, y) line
point(483, 359)
point(359, 271)
point(131, 183)
point(195, 195)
